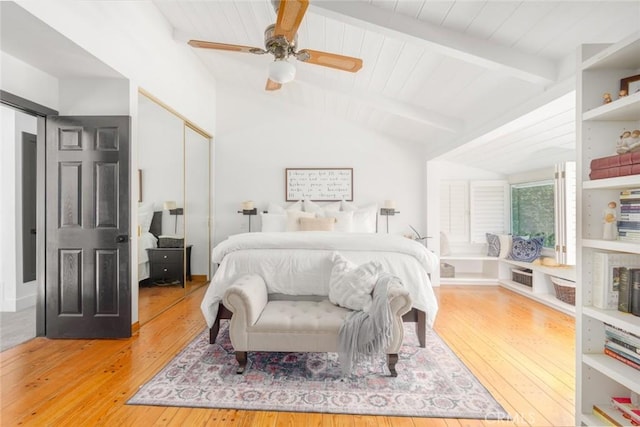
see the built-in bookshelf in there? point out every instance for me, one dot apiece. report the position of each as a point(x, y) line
point(600, 377)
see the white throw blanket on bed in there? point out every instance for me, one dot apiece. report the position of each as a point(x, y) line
point(366, 333)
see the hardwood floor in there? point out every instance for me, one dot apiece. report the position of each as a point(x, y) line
point(522, 351)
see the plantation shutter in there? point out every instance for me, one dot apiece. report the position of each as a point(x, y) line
point(489, 213)
point(454, 210)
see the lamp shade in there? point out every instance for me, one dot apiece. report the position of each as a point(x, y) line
point(390, 204)
point(281, 71)
point(169, 205)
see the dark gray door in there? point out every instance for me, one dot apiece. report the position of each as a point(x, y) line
point(88, 290)
point(29, 197)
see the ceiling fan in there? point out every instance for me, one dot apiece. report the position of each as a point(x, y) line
point(280, 40)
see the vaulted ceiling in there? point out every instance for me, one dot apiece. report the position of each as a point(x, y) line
point(483, 83)
point(438, 74)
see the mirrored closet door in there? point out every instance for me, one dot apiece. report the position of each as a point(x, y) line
point(197, 190)
point(173, 209)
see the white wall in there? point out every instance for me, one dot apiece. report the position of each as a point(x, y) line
point(258, 138)
point(132, 38)
point(15, 295)
point(21, 79)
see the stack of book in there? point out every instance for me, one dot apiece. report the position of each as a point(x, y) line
point(620, 412)
point(616, 165)
point(622, 345)
point(629, 223)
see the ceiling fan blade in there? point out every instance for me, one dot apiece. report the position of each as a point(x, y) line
point(332, 60)
point(290, 14)
point(271, 85)
point(227, 47)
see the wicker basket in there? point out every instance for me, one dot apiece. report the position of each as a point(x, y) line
point(524, 277)
point(447, 270)
point(565, 290)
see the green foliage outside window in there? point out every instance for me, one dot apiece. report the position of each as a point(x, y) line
point(532, 211)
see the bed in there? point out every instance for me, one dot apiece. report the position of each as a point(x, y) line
point(298, 264)
point(147, 240)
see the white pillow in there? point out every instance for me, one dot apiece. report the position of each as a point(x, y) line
point(310, 206)
point(317, 224)
point(145, 216)
point(273, 222)
point(506, 240)
point(292, 219)
point(365, 219)
point(351, 285)
point(344, 221)
point(348, 206)
point(276, 208)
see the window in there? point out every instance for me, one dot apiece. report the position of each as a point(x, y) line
point(533, 211)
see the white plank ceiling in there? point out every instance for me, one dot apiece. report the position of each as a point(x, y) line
point(436, 74)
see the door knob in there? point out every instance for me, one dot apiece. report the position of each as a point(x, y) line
point(122, 238)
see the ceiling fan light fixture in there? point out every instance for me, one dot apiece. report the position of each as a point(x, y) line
point(281, 71)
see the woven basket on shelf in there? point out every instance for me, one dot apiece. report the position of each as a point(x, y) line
point(565, 290)
point(524, 277)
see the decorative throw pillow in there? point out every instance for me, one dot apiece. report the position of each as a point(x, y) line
point(351, 285)
point(293, 223)
point(323, 210)
point(344, 221)
point(506, 241)
point(273, 222)
point(276, 208)
point(316, 224)
point(365, 219)
point(493, 245)
point(526, 250)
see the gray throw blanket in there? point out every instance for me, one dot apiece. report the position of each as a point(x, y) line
point(367, 333)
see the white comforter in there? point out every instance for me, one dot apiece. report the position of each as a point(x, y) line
point(299, 263)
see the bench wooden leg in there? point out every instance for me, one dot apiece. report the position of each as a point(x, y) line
point(392, 359)
point(241, 357)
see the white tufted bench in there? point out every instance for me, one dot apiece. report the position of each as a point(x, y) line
point(260, 324)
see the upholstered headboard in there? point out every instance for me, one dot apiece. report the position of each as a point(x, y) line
point(156, 224)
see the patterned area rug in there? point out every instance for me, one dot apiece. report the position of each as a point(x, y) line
point(431, 382)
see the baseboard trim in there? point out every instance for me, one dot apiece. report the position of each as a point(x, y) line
point(135, 328)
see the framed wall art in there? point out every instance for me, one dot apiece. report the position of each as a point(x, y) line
point(630, 84)
point(319, 184)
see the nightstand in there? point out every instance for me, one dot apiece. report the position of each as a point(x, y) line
point(166, 265)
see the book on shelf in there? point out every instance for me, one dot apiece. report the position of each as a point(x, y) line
point(634, 347)
point(624, 405)
point(629, 225)
point(622, 334)
point(615, 160)
point(615, 171)
point(611, 416)
point(630, 193)
point(621, 358)
point(625, 288)
point(635, 292)
point(623, 351)
point(604, 284)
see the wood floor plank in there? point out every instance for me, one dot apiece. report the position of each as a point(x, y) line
point(521, 351)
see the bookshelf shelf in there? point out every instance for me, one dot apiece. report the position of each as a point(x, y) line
point(617, 371)
point(599, 376)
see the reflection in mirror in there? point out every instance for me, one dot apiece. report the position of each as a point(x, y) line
point(160, 210)
point(197, 190)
